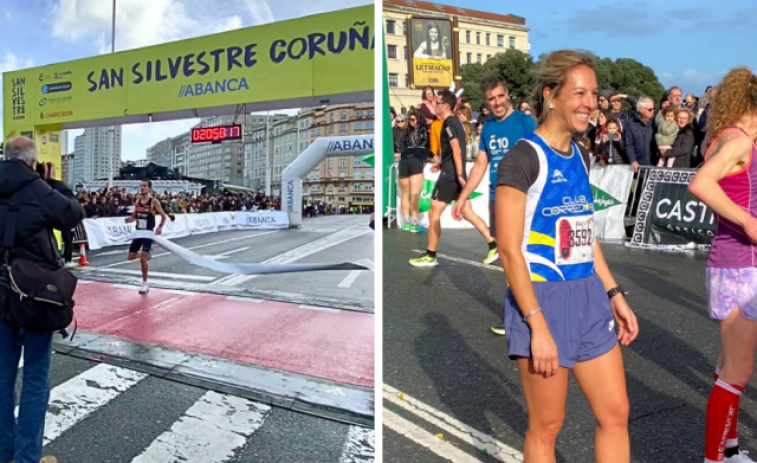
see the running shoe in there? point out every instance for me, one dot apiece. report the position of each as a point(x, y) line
point(144, 289)
point(741, 457)
point(424, 261)
point(499, 329)
point(491, 256)
point(418, 229)
point(70, 265)
point(407, 227)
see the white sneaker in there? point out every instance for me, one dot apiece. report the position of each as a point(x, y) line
point(144, 289)
point(741, 457)
point(70, 265)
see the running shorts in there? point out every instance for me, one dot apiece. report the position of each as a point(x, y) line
point(728, 288)
point(446, 191)
point(578, 315)
point(144, 244)
point(409, 167)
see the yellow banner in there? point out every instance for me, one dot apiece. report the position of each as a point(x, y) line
point(320, 55)
point(433, 72)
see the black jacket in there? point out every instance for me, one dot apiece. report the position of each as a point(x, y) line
point(640, 142)
point(683, 146)
point(42, 207)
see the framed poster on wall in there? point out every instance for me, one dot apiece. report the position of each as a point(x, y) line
point(433, 48)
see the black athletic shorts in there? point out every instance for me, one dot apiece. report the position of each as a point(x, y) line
point(144, 244)
point(446, 191)
point(410, 166)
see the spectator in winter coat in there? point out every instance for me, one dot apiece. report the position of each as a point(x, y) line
point(640, 142)
point(44, 204)
point(667, 130)
point(683, 145)
point(610, 150)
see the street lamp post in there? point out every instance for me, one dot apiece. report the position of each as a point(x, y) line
point(113, 139)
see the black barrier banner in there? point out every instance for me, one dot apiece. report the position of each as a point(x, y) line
point(669, 215)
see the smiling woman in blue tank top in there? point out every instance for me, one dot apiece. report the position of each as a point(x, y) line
point(563, 305)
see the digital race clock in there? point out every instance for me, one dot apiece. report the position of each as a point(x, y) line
point(217, 134)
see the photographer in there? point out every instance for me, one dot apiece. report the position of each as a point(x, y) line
point(44, 204)
point(610, 149)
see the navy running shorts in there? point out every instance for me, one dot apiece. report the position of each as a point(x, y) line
point(144, 244)
point(578, 315)
point(446, 191)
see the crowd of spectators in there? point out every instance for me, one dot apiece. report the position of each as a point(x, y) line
point(670, 133)
point(119, 203)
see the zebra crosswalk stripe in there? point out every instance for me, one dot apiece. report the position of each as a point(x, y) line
point(211, 431)
point(82, 395)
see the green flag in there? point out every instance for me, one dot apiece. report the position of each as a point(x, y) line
point(369, 159)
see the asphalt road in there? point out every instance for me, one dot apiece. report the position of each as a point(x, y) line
point(439, 352)
point(332, 239)
point(101, 413)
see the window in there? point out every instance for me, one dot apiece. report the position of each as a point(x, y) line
point(467, 36)
point(342, 174)
point(478, 56)
point(478, 38)
point(344, 115)
point(392, 80)
point(470, 57)
point(358, 126)
point(512, 42)
point(331, 164)
point(369, 175)
point(390, 26)
point(488, 38)
point(391, 51)
point(370, 124)
point(407, 80)
point(405, 51)
point(404, 27)
point(358, 176)
point(342, 127)
point(488, 57)
point(342, 163)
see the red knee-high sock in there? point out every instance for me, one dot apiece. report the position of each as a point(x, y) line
point(721, 414)
point(733, 436)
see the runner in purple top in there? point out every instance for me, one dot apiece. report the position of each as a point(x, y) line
point(727, 183)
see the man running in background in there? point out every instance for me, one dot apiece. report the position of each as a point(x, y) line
point(145, 209)
point(501, 131)
point(452, 179)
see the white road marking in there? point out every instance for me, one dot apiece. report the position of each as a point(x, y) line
point(107, 253)
point(424, 438)
point(350, 278)
point(124, 286)
point(465, 261)
point(449, 425)
point(298, 253)
point(322, 309)
point(85, 282)
point(360, 446)
point(226, 255)
point(211, 431)
point(180, 292)
point(84, 394)
point(245, 299)
point(200, 246)
point(181, 276)
point(337, 391)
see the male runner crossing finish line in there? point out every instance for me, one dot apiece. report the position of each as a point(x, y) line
point(145, 209)
point(501, 130)
point(452, 180)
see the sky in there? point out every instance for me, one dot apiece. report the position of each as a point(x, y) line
point(41, 32)
point(689, 43)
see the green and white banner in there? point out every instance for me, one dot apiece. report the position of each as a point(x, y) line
point(479, 201)
point(610, 187)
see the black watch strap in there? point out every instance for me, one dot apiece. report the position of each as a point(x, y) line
point(615, 291)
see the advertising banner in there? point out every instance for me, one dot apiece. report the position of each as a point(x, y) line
point(261, 220)
point(201, 223)
point(313, 56)
point(669, 216)
point(177, 228)
point(479, 201)
point(225, 220)
point(433, 48)
point(108, 231)
point(610, 186)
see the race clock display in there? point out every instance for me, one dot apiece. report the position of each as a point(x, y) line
point(217, 134)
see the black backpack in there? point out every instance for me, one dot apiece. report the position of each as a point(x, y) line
point(33, 298)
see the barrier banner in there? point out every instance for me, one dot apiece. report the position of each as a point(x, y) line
point(261, 220)
point(108, 231)
point(225, 220)
point(177, 228)
point(239, 269)
point(610, 186)
point(201, 223)
point(479, 201)
point(669, 216)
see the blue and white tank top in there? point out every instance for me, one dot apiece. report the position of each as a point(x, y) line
point(559, 234)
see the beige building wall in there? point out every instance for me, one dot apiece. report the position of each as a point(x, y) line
point(482, 36)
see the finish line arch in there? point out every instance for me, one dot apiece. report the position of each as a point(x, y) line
point(324, 59)
point(320, 149)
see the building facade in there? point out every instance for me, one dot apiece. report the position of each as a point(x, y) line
point(161, 153)
point(92, 151)
point(482, 36)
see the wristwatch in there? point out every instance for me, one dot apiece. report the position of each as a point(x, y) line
point(615, 291)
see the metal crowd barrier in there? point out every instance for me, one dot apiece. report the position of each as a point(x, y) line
point(80, 234)
point(392, 206)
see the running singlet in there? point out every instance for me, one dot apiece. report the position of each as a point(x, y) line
point(497, 137)
point(559, 235)
point(731, 248)
point(145, 217)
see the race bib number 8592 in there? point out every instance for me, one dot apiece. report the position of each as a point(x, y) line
point(575, 240)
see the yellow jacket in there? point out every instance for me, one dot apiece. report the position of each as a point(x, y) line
point(435, 137)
